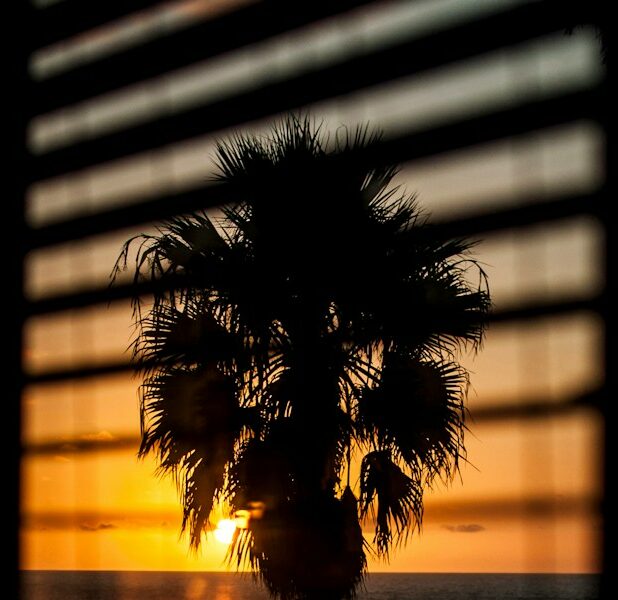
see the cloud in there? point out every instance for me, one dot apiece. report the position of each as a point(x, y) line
point(465, 528)
point(86, 442)
point(89, 521)
point(101, 436)
point(98, 527)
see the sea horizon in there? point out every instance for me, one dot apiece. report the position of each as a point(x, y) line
point(595, 573)
point(65, 584)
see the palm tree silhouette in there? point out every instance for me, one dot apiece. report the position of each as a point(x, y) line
point(315, 332)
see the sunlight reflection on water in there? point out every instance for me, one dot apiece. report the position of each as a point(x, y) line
point(196, 588)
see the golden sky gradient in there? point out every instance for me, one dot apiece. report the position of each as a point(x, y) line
point(108, 510)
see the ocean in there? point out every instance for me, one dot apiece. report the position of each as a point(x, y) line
point(126, 585)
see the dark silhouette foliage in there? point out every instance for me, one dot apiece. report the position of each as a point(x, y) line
point(314, 327)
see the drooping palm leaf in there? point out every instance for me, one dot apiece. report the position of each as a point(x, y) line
point(394, 498)
point(417, 411)
point(191, 420)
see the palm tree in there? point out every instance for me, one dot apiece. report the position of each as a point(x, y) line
point(313, 330)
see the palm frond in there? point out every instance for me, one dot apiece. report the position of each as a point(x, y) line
point(417, 411)
point(191, 420)
point(394, 498)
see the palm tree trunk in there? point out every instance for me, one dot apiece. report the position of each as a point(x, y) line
point(316, 405)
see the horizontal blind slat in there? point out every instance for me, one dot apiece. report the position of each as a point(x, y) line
point(176, 49)
point(346, 76)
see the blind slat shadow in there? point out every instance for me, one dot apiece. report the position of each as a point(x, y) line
point(536, 310)
point(344, 77)
point(177, 49)
point(407, 147)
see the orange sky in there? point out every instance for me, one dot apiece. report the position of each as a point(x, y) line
point(109, 511)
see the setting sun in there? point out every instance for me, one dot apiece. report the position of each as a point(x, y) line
point(225, 531)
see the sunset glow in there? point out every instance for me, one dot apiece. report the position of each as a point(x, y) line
point(224, 532)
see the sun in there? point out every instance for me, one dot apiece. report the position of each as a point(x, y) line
point(224, 532)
